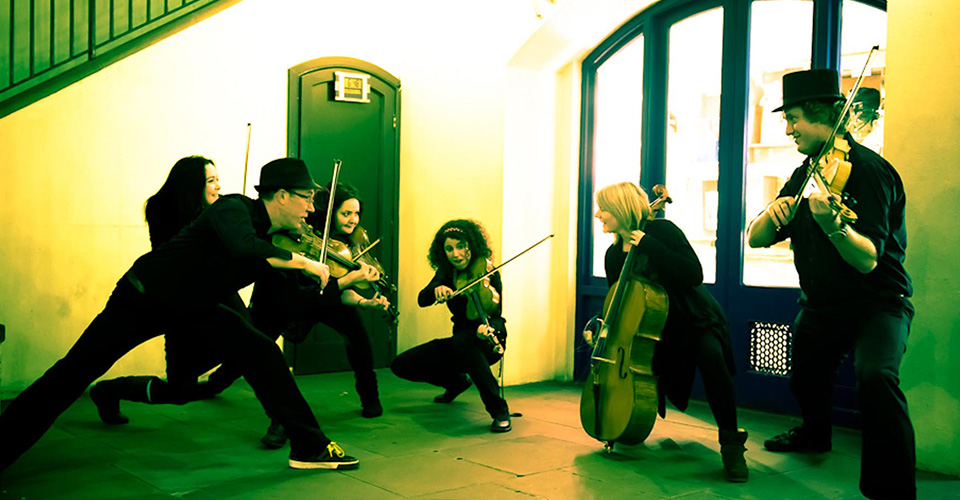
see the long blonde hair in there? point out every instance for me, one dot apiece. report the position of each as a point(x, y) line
point(627, 202)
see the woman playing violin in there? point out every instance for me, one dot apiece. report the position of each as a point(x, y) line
point(453, 362)
point(854, 289)
point(696, 334)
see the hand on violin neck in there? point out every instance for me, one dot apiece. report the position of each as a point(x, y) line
point(365, 273)
point(822, 208)
point(378, 302)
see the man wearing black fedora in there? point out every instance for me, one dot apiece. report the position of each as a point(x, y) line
point(854, 289)
point(181, 286)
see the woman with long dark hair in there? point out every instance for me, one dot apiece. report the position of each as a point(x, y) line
point(453, 362)
point(191, 186)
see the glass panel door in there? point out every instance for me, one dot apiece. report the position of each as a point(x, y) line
point(864, 27)
point(771, 154)
point(619, 112)
point(693, 131)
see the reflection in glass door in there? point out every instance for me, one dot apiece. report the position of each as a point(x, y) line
point(864, 27)
point(693, 130)
point(619, 112)
point(771, 154)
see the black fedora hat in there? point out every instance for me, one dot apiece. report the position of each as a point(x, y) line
point(810, 85)
point(285, 173)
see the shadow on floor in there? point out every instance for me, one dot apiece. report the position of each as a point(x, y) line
point(421, 450)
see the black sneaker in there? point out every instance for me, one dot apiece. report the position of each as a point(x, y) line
point(331, 458)
point(451, 393)
point(501, 423)
point(275, 437)
point(797, 439)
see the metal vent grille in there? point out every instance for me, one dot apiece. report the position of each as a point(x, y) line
point(770, 348)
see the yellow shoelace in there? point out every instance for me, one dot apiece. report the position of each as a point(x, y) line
point(335, 450)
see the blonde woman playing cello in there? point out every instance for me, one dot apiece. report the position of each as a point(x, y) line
point(695, 335)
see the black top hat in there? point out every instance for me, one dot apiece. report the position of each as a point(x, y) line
point(285, 173)
point(810, 85)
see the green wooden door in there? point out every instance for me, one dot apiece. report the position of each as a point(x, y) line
point(365, 137)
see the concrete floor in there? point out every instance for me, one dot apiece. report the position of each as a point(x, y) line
point(420, 450)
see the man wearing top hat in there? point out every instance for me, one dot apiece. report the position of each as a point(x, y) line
point(180, 286)
point(854, 290)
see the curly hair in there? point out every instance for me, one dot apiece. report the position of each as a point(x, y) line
point(824, 112)
point(470, 231)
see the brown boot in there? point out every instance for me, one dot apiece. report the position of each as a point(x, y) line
point(731, 449)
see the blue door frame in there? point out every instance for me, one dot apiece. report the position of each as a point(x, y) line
point(744, 305)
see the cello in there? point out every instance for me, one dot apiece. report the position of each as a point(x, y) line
point(619, 400)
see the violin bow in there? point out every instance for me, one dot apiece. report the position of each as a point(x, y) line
point(246, 159)
point(326, 223)
point(828, 145)
point(490, 272)
point(365, 250)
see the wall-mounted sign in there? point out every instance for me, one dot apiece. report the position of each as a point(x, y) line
point(351, 87)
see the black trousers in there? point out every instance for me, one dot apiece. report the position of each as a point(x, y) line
point(346, 321)
point(343, 319)
point(877, 335)
point(446, 362)
point(131, 318)
point(717, 381)
point(189, 354)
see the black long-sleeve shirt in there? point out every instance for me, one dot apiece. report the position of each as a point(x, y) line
point(665, 257)
point(222, 251)
point(458, 305)
point(825, 278)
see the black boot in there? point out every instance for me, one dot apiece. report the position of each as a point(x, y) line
point(108, 393)
point(275, 437)
point(452, 392)
point(369, 398)
point(731, 449)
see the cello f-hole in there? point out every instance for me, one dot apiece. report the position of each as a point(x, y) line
point(621, 364)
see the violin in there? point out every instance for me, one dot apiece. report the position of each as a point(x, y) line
point(479, 304)
point(482, 299)
point(834, 151)
point(360, 248)
point(339, 258)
